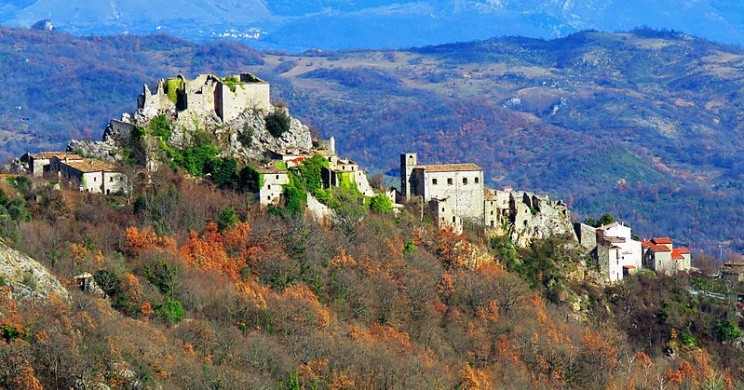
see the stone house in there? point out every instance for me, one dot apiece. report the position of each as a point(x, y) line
point(460, 185)
point(274, 180)
point(497, 208)
point(661, 256)
point(206, 96)
point(94, 176)
point(617, 254)
point(340, 169)
point(40, 163)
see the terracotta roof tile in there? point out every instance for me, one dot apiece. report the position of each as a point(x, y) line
point(60, 155)
point(662, 240)
point(91, 165)
point(683, 250)
point(449, 167)
point(660, 248)
point(676, 255)
point(646, 243)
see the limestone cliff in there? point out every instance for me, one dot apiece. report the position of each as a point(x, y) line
point(26, 277)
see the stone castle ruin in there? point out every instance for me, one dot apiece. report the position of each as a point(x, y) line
point(205, 96)
point(453, 194)
point(232, 109)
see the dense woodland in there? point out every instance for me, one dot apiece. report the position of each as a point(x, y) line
point(204, 291)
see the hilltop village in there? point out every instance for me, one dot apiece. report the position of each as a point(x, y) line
point(237, 113)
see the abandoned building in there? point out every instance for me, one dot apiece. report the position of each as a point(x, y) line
point(452, 192)
point(274, 180)
point(86, 174)
point(733, 271)
point(41, 163)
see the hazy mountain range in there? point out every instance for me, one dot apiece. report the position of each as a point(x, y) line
point(339, 24)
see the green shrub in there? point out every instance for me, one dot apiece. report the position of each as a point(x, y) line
point(250, 179)
point(726, 330)
point(2, 281)
point(246, 137)
point(296, 199)
point(159, 127)
point(164, 275)
point(278, 123)
point(381, 204)
point(173, 86)
point(195, 159)
point(232, 82)
point(224, 172)
point(108, 281)
point(227, 218)
point(171, 312)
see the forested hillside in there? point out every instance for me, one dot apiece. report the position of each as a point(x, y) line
point(199, 289)
point(644, 125)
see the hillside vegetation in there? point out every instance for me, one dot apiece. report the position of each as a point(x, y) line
point(200, 289)
point(645, 124)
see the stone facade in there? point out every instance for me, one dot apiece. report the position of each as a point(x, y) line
point(40, 163)
point(461, 185)
point(94, 176)
point(733, 271)
point(536, 217)
point(497, 209)
point(587, 236)
point(204, 97)
point(273, 185)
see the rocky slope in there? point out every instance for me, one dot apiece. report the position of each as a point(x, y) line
point(26, 277)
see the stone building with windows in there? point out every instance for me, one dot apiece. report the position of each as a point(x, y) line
point(90, 175)
point(660, 255)
point(456, 188)
point(274, 180)
point(44, 162)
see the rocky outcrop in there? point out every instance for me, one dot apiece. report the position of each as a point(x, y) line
point(26, 277)
point(246, 138)
point(241, 135)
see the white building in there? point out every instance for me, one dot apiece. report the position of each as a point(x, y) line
point(274, 180)
point(94, 176)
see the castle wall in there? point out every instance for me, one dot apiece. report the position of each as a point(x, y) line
point(251, 95)
point(587, 236)
point(463, 189)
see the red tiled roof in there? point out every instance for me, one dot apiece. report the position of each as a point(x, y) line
point(684, 251)
point(662, 240)
point(629, 266)
point(659, 248)
point(646, 243)
point(676, 255)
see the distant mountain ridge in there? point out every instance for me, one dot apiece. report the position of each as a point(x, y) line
point(338, 24)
